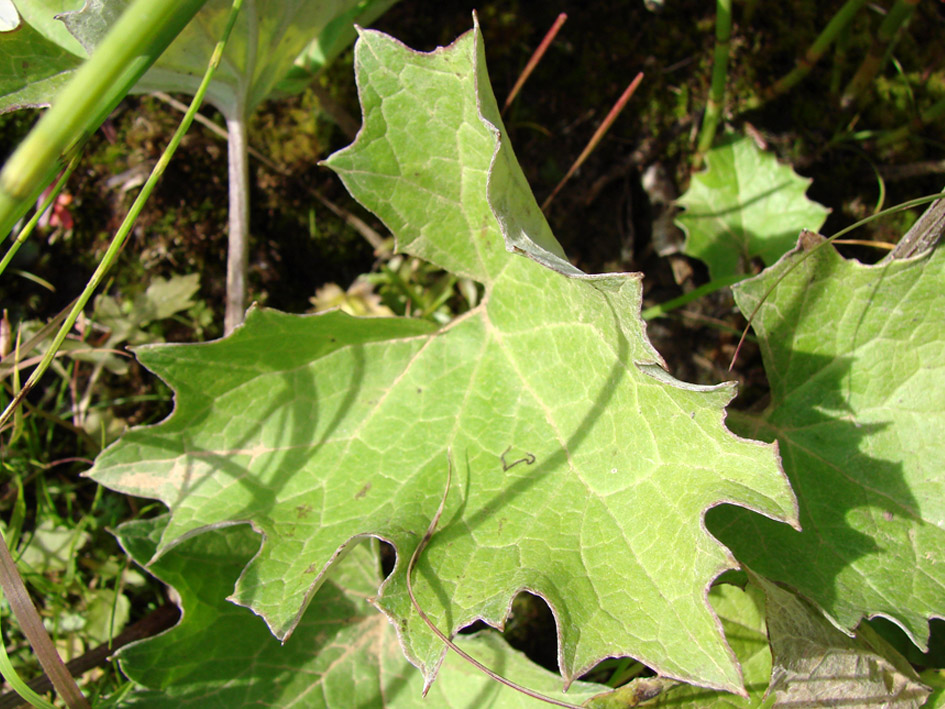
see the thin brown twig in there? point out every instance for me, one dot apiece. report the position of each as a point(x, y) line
point(534, 59)
point(32, 626)
point(596, 138)
point(155, 622)
point(436, 631)
point(885, 245)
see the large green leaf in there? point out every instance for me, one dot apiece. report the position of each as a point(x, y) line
point(581, 468)
point(745, 205)
point(343, 654)
point(268, 37)
point(855, 358)
point(43, 53)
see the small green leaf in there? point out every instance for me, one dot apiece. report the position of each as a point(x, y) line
point(745, 205)
point(51, 547)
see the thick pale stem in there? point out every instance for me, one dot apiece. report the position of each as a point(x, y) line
point(238, 242)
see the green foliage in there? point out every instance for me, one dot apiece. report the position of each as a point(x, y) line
point(853, 356)
point(814, 663)
point(268, 37)
point(38, 58)
point(744, 205)
point(582, 471)
point(343, 652)
point(516, 378)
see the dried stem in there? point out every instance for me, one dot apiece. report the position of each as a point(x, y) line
point(155, 622)
point(534, 59)
point(449, 643)
point(596, 138)
point(32, 626)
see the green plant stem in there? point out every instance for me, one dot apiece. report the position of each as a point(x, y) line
point(32, 626)
point(875, 57)
point(661, 310)
point(129, 221)
point(136, 40)
point(929, 115)
point(716, 100)
point(34, 220)
point(237, 258)
point(816, 50)
point(21, 688)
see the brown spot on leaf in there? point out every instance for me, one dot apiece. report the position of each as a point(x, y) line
point(303, 511)
point(363, 491)
point(809, 240)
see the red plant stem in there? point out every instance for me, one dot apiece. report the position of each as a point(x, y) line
point(535, 58)
point(596, 138)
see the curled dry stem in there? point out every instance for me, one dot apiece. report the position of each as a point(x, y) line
point(436, 631)
point(927, 232)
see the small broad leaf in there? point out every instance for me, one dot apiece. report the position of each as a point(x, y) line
point(855, 357)
point(581, 468)
point(816, 665)
point(744, 205)
point(344, 652)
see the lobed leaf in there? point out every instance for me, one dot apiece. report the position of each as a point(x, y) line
point(854, 355)
point(582, 469)
point(744, 205)
point(344, 652)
